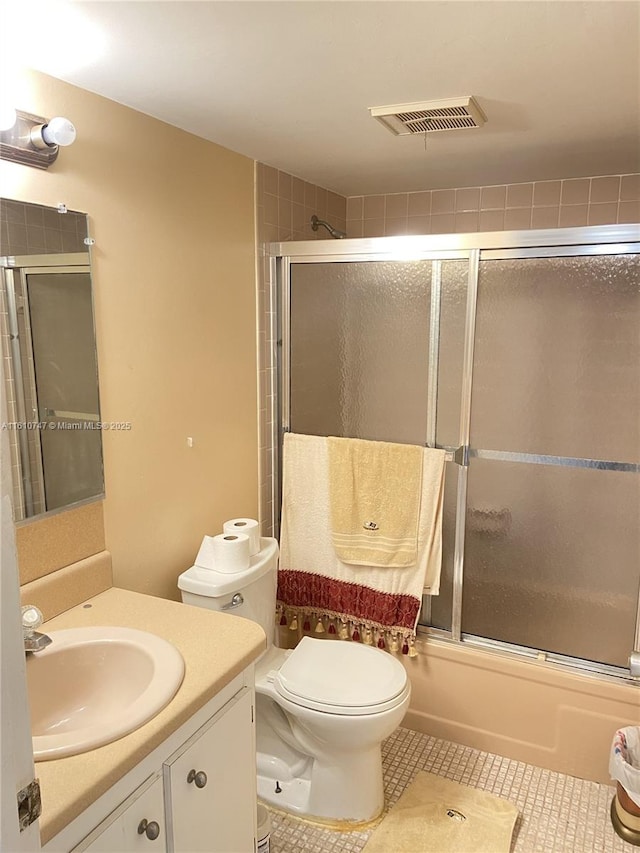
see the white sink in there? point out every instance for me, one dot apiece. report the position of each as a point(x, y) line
point(91, 686)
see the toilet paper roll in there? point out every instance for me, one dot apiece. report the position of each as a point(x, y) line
point(206, 558)
point(230, 552)
point(249, 527)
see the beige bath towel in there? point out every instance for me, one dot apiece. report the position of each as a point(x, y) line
point(311, 578)
point(374, 488)
point(435, 815)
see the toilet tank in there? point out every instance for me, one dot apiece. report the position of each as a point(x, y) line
point(255, 588)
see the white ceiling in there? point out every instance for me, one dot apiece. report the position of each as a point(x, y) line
point(289, 83)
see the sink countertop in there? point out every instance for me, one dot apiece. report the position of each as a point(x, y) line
point(69, 785)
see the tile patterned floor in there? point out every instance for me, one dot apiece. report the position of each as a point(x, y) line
point(557, 813)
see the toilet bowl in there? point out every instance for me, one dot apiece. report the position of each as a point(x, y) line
point(322, 709)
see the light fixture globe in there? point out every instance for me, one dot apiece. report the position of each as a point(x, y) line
point(58, 131)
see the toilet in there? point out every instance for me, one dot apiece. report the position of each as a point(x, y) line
point(322, 709)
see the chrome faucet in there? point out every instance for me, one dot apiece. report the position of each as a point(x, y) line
point(32, 618)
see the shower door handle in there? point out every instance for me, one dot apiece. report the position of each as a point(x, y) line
point(459, 455)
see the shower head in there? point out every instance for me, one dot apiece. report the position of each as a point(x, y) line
point(315, 222)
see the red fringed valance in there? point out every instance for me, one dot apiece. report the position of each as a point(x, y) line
point(347, 600)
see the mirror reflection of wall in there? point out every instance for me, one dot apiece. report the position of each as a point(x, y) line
point(48, 345)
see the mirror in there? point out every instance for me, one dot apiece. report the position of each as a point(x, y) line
point(50, 362)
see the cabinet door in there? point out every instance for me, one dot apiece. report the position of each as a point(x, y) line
point(120, 832)
point(210, 785)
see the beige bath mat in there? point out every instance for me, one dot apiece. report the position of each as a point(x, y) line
point(435, 815)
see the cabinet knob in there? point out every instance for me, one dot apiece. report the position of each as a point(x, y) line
point(150, 829)
point(200, 778)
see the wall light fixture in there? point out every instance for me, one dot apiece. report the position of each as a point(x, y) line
point(34, 141)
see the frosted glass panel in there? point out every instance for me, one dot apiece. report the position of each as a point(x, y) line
point(360, 349)
point(453, 308)
point(66, 370)
point(557, 355)
point(551, 558)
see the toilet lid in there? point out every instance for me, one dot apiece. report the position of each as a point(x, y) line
point(321, 673)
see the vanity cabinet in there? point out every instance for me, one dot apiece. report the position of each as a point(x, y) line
point(200, 798)
point(210, 785)
point(133, 825)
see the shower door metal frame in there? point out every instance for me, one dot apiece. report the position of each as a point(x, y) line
point(476, 247)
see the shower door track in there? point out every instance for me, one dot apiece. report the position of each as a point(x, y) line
point(513, 650)
point(476, 247)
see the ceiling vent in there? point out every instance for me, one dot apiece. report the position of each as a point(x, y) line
point(427, 117)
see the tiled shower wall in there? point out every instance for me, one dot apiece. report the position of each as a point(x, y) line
point(31, 229)
point(570, 203)
point(284, 207)
point(285, 204)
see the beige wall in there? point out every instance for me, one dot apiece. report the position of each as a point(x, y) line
point(174, 278)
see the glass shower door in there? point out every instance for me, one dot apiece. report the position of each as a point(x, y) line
point(376, 352)
point(552, 539)
point(524, 363)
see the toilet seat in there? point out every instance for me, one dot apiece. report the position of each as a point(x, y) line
point(341, 678)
